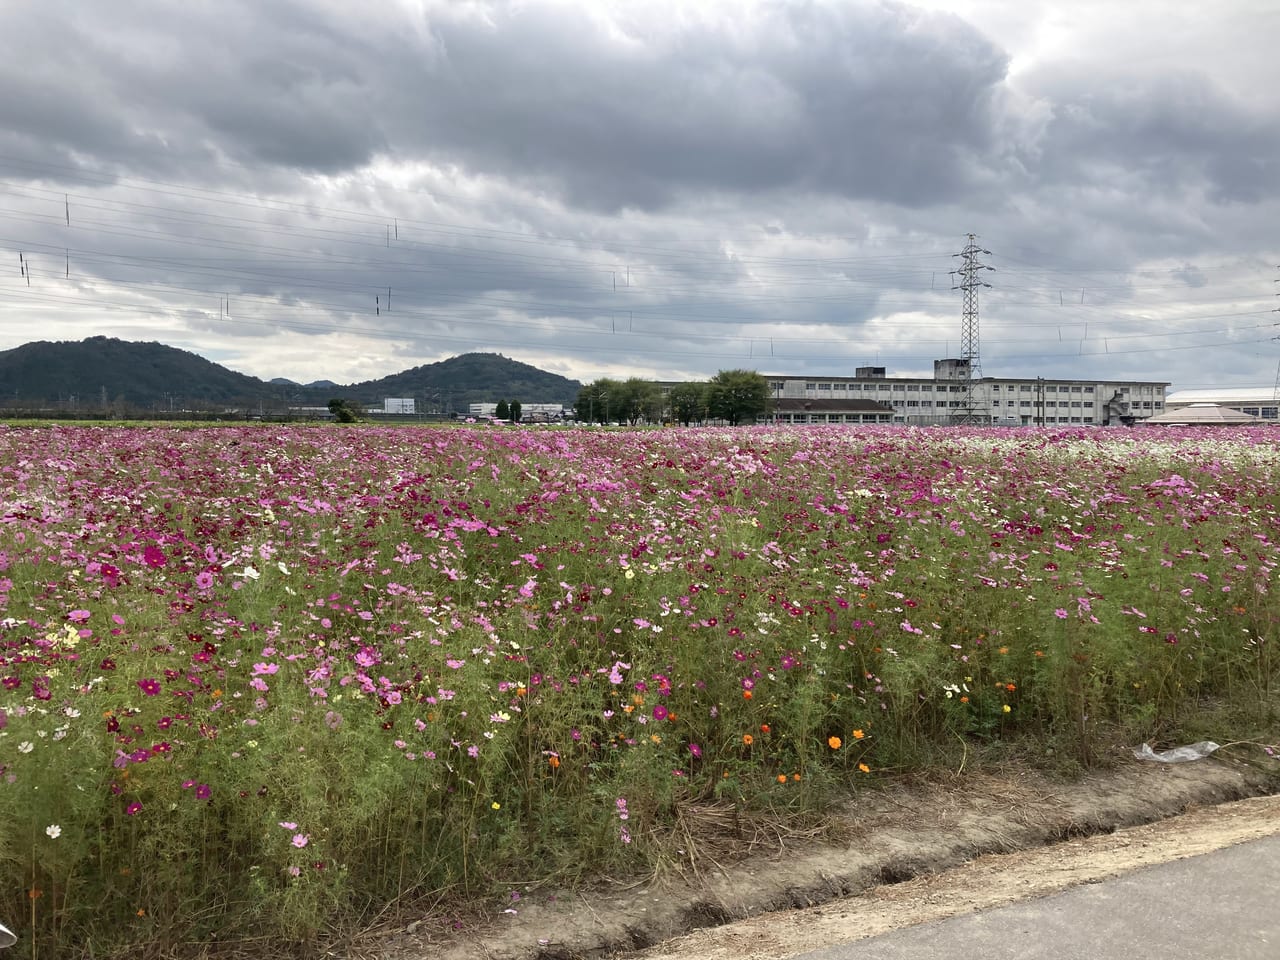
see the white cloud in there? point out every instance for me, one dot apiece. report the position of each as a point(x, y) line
point(613, 188)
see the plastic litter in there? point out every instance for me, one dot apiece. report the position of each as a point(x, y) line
point(7, 938)
point(1192, 751)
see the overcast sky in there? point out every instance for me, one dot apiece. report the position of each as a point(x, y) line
point(319, 189)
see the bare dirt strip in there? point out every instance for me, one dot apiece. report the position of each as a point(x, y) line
point(908, 854)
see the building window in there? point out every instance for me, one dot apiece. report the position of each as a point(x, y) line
point(1075, 403)
point(926, 403)
point(811, 386)
point(913, 388)
point(1270, 413)
point(1088, 404)
point(883, 387)
point(1050, 388)
point(913, 403)
point(1051, 403)
point(1088, 389)
point(1251, 411)
point(824, 386)
point(1025, 388)
point(1024, 403)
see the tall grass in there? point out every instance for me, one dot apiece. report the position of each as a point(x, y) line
point(260, 684)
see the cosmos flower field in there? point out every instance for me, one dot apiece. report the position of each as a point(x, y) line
point(263, 682)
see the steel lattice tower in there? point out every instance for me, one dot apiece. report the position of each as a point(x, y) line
point(1275, 389)
point(968, 279)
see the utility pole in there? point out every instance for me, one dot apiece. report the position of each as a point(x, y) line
point(968, 279)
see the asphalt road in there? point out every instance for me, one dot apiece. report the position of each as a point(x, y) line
point(1223, 905)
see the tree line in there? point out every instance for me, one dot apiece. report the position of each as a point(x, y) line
point(731, 396)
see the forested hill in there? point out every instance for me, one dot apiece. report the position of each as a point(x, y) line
point(103, 372)
point(471, 378)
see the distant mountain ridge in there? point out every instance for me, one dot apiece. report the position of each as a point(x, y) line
point(104, 372)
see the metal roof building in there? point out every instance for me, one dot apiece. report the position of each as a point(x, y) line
point(1258, 402)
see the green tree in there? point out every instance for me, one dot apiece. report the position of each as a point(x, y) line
point(503, 412)
point(688, 402)
point(343, 411)
point(515, 411)
point(637, 400)
point(597, 400)
point(737, 396)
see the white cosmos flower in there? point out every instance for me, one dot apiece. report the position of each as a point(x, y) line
point(53, 831)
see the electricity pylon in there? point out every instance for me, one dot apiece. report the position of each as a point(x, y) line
point(968, 279)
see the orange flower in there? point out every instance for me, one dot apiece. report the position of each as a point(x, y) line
point(795, 777)
point(782, 778)
point(1010, 687)
point(864, 768)
point(521, 691)
point(834, 743)
point(746, 694)
point(964, 699)
point(748, 739)
point(764, 728)
point(554, 761)
point(858, 734)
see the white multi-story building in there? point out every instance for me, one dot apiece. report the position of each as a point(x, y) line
point(944, 398)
